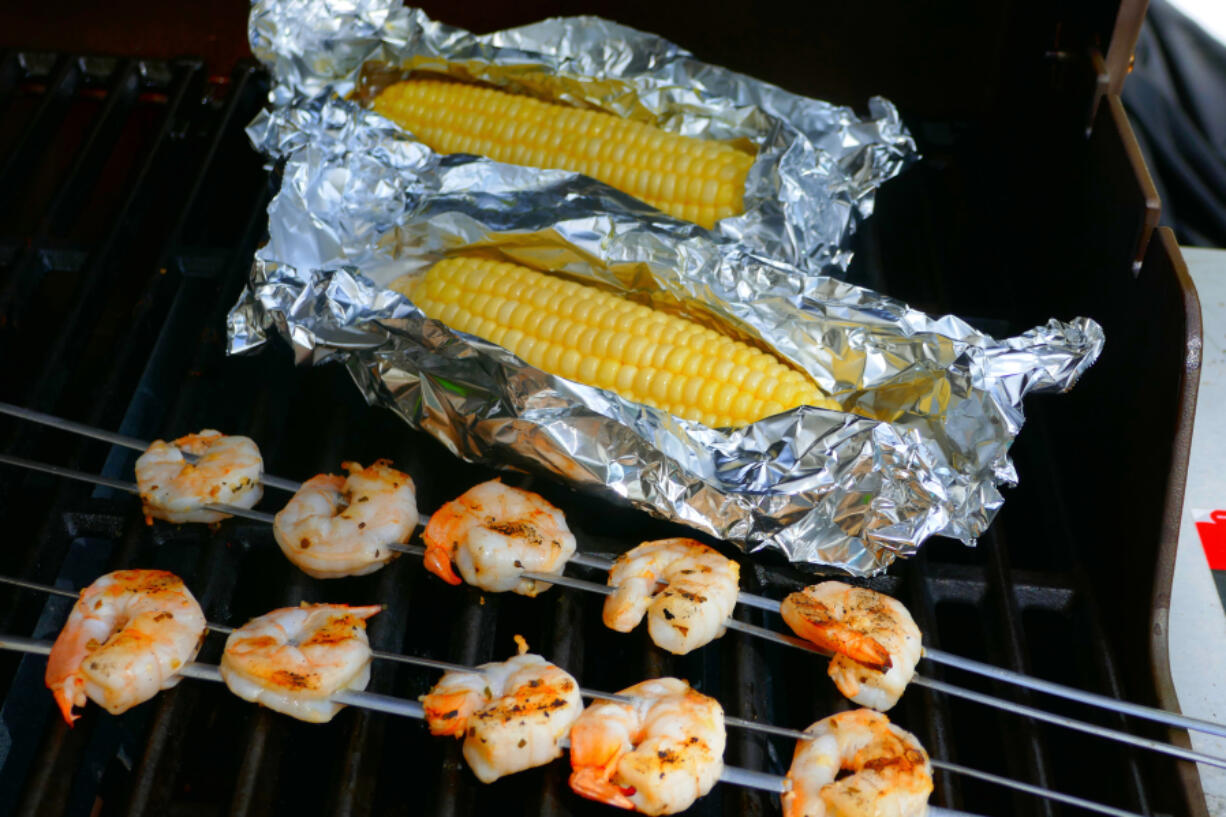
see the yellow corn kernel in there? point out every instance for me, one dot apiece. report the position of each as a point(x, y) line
point(695, 179)
point(646, 356)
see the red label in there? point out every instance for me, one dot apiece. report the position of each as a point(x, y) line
point(1213, 539)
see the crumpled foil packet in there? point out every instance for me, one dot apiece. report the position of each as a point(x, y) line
point(931, 405)
point(817, 166)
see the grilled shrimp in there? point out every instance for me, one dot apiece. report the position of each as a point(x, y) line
point(874, 642)
point(229, 470)
point(493, 533)
point(512, 715)
point(336, 526)
point(691, 610)
point(657, 755)
point(128, 635)
point(890, 775)
point(293, 660)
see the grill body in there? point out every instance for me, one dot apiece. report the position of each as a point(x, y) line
point(130, 206)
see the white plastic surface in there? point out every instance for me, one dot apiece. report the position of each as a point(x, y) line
point(1197, 622)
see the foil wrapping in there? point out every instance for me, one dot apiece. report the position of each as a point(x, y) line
point(930, 405)
point(817, 167)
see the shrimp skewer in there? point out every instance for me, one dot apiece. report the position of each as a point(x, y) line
point(691, 610)
point(127, 637)
point(296, 659)
point(228, 470)
point(873, 641)
point(336, 526)
point(116, 439)
point(939, 656)
point(889, 770)
point(512, 715)
point(494, 533)
point(729, 774)
point(656, 755)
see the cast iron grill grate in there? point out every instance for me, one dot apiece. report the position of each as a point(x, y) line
point(130, 205)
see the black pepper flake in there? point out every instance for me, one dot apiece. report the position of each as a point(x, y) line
point(522, 743)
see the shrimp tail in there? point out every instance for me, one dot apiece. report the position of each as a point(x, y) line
point(438, 561)
point(593, 783)
point(64, 698)
point(864, 650)
point(447, 714)
point(831, 635)
point(594, 755)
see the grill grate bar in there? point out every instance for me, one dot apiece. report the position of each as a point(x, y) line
point(42, 125)
point(1035, 756)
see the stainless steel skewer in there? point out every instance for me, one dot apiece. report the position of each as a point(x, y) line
point(393, 706)
point(750, 629)
point(731, 774)
point(1040, 685)
point(116, 439)
point(122, 485)
point(595, 562)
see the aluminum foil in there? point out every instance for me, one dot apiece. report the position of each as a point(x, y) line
point(817, 166)
point(931, 406)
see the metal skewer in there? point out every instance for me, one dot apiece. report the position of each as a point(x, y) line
point(432, 663)
point(731, 774)
point(771, 635)
point(598, 563)
point(116, 439)
point(122, 485)
point(393, 705)
point(1038, 684)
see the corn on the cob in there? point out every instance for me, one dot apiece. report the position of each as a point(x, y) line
point(695, 179)
point(594, 337)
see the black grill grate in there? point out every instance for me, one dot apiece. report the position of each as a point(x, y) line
point(130, 205)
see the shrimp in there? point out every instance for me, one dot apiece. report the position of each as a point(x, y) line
point(890, 775)
point(874, 642)
point(512, 715)
point(229, 470)
point(293, 660)
point(129, 634)
point(656, 755)
point(493, 533)
point(335, 526)
point(691, 610)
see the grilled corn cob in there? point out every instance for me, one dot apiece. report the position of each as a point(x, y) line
point(694, 179)
point(594, 337)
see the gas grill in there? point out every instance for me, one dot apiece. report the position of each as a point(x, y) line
point(130, 206)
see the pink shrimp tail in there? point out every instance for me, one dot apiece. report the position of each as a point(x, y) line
point(64, 698)
point(593, 783)
point(594, 755)
point(438, 562)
